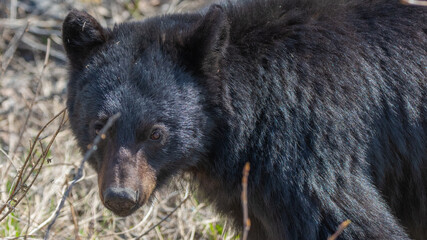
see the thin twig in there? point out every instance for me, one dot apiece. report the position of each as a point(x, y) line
point(30, 109)
point(8, 55)
point(41, 160)
point(33, 44)
point(27, 119)
point(166, 217)
point(88, 154)
point(39, 99)
point(20, 184)
point(246, 220)
point(45, 222)
point(132, 228)
point(9, 158)
point(29, 219)
point(37, 27)
point(75, 222)
point(415, 2)
point(340, 229)
point(30, 155)
point(13, 9)
point(18, 23)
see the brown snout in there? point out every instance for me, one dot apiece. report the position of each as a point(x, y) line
point(125, 180)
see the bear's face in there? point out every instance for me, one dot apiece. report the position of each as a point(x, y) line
point(148, 73)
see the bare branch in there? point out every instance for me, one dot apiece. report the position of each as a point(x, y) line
point(415, 2)
point(75, 221)
point(167, 216)
point(20, 185)
point(30, 109)
point(340, 229)
point(13, 45)
point(88, 154)
point(246, 220)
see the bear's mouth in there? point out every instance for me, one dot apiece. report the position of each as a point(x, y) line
point(124, 213)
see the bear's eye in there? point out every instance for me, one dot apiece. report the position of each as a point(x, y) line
point(156, 134)
point(98, 126)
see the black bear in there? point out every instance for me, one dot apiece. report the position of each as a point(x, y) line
point(327, 100)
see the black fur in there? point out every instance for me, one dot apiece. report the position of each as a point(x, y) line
point(326, 99)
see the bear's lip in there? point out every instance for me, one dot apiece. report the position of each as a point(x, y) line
point(125, 213)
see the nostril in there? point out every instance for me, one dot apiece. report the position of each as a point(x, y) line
point(120, 200)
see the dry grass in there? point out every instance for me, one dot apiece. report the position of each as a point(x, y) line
point(32, 92)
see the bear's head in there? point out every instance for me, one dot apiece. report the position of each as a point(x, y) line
point(160, 75)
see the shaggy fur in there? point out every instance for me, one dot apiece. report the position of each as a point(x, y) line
point(326, 99)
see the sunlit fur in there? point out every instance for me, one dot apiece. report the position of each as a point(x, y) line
point(327, 100)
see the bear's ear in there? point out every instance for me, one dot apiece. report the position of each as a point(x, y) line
point(81, 33)
point(206, 42)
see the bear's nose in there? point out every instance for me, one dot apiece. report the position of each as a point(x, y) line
point(122, 201)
